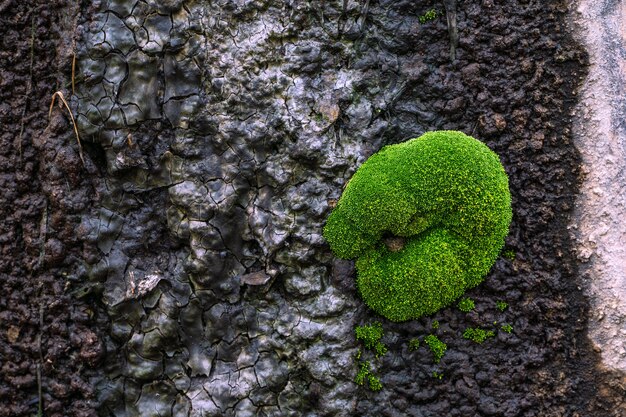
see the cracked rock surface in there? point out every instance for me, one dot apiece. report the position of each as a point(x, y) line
point(219, 135)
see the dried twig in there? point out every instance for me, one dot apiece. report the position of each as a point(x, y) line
point(62, 98)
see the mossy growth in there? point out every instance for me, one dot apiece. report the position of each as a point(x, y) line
point(502, 305)
point(436, 346)
point(374, 382)
point(414, 344)
point(507, 328)
point(365, 375)
point(509, 254)
point(431, 14)
point(435, 324)
point(466, 305)
point(446, 195)
point(370, 335)
point(437, 375)
point(477, 335)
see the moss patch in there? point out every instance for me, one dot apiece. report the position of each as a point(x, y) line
point(370, 335)
point(447, 195)
point(466, 305)
point(478, 335)
point(436, 346)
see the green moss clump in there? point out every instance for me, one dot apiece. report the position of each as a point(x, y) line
point(414, 344)
point(436, 346)
point(507, 328)
point(428, 16)
point(446, 194)
point(466, 305)
point(435, 324)
point(509, 254)
point(370, 336)
point(374, 382)
point(365, 374)
point(477, 335)
point(501, 305)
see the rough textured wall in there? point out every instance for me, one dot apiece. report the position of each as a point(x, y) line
point(218, 135)
point(600, 134)
point(48, 338)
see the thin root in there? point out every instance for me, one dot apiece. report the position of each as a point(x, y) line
point(62, 98)
point(73, 72)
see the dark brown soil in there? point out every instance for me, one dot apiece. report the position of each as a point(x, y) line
point(47, 343)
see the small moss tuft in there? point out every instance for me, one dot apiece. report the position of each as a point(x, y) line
point(365, 374)
point(374, 382)
point(431, 14)
point(501, 305)
point(509, 254)
point(414, 344)
point(477, 335)
point(507, 328)
point(370, 335)
point(361, 375)
point(435, 324)
point(436, 346)
point(466, 305)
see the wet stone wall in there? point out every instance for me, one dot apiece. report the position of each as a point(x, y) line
point(225, 132)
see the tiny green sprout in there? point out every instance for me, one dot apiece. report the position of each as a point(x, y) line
point(370, 336)
point(364, 371)
point(435, 324)
point(414, 344)
point(501, 305)
point(358, 354)
point(438, 375)
point(365, 374)
point(466, 305)
point(508, 254)
point(436, 346)
point(477, 335)
point(374, 382)
point(507, 328)
point(428, 16)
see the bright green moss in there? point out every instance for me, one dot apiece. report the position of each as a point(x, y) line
point(361, 375)
point(365, 374)
point(414, 344)
point(370, 336)
point(466, 305)
point(431, 14)
point(478, 335)
point(447, 194)
point(507, 328)
point(374, 382)
point(436, 346)
point(502, 305)
point(435, 324)
point(509, 254)
point(437, 375)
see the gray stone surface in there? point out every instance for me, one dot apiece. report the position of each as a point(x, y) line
point(220, 297)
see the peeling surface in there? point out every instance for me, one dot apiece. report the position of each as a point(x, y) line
point(600, 133)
